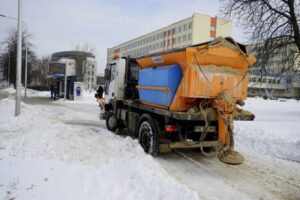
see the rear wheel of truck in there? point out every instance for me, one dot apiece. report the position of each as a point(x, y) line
point(148, 135)
point(111, 122)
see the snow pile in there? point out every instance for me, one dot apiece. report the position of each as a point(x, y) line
point(9, 90)
point(35, 93)
point(30, 93)
point(275, 130)
point(41, 158)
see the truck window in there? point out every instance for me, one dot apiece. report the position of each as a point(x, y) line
point(112, 72)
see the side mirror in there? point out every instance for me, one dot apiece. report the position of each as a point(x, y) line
point(107, 74)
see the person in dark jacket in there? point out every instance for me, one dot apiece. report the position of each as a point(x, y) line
point(99, 97)
point(100, 91)
point(52, 90)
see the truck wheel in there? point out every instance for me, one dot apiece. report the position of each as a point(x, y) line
point(148, 136)
point(111, 122)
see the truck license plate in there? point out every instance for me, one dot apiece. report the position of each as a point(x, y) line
point(209, 129)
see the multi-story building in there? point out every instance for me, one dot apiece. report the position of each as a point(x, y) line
point(90, 74)
point(86, 66)
point(193, 30)
point(277, 76)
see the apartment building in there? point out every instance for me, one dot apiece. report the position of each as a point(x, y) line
point(90, 74)
point(272, 81)
point(193, 30)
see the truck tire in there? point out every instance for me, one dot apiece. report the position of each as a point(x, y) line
point(111, 122)
point(148, 135)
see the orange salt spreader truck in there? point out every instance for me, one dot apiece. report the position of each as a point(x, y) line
point(183, 98)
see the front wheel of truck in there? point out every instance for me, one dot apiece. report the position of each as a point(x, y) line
point(111, 122)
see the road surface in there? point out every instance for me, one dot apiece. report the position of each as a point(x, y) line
point(260, 177)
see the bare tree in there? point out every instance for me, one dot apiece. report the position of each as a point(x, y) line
point(273, 26)
point(8, 57)
point(41, 71)
point(84, 51)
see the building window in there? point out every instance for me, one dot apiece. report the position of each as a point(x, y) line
point(213, 28)
point(179, 29)
point(184, 38)
point(190, 36)
point(179, 39)
point(174, 40)
point(190, 25)
point(173, 30)
point(185, 27)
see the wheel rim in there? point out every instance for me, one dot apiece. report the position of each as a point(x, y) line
point(145, 135)
point(112, 122)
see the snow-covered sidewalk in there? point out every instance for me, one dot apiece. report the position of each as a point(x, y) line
point(61, 150)
point(42, 158)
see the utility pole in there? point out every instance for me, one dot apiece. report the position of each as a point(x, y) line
point(19, 61)
point(25, 81)
point(8, 71)
point(65, 87)
point(90, 78)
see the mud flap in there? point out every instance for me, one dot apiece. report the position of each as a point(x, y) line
point(232, 157)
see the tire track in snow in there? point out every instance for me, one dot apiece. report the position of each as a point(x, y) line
point(259, 178)
point(197, 177)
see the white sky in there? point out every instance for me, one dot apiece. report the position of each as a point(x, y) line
point(60, 25)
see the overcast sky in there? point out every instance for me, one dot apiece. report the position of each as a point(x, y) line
point(60, 25)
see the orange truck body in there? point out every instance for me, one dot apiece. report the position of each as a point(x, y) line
point(207, 70)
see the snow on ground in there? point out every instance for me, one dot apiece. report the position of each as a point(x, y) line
point(275, 131)
point(9, 90)
point(41, 158)
point(270, 146)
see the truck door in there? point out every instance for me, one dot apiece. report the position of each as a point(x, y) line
point(116, 82)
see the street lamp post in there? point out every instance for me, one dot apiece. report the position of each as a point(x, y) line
point(25, 81)
point(65, 83)
point(26, 49)
point(90, 78)
point(8, 70)
point(19, 62)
